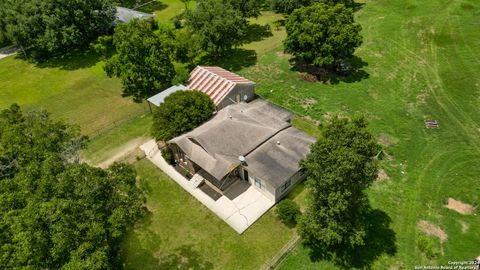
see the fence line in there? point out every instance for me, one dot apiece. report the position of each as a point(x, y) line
point(118, 123)
point(277, 259)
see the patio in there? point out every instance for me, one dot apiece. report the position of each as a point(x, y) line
point(240, 206)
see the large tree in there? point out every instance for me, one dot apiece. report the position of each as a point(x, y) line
point(143, 59)
point(182, 111)
point(216, 26)
point(288, 6)
point(55, 26)
point(347, 3)
point(55, 212)
point(248, 8)
point(322, 34)
point(340, 166)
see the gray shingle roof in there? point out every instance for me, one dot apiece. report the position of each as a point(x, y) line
point(251, 130)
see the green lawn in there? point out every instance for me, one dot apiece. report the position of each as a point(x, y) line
point(419, 61)
point(180, 233)
point(73, 88)
point(164, 10)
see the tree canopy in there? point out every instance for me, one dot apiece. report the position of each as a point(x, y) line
point(248, 8)
point(57, 213)
point(287, 6)
point(143, 59)
point(216, 26)
point(322, 34)
point(340, 166)
point(182, 111)
point(48, 27)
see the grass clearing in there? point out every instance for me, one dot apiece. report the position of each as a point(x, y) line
point(73, 88)
point(180, 233)
point(108, 144)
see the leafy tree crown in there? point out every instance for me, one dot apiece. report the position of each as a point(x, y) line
point(182, 111)
point(322, 34)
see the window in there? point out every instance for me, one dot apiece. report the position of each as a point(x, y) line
point(259, 183)
point(285, 185)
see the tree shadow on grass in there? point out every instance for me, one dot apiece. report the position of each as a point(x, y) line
point(357, 6)
point(355, 72)
point(184, 257)
point(139, 246)
point(379, 240)
point(152, 7)
point(72, 61)
point(257, 32)
point(233, 60)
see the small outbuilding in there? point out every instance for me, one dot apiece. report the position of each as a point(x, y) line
point(160, 97)
point(124, 15)
point(223, 86)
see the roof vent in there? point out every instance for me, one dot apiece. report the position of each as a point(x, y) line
point(278, 142)
point(242, 159)
point(230, 117)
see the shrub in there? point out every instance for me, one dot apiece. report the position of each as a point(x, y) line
point(288, 211)
point(428, 247)
point(168, 155)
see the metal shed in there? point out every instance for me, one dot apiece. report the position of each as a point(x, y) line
point(160, 97)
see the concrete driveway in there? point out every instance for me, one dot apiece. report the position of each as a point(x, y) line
point(239, 207)
point(7, 51)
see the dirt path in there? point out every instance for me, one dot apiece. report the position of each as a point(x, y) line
point(123, 151)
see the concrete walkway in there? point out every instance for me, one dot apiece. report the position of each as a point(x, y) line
point(239, 211)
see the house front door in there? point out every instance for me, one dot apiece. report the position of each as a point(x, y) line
point(245, 175)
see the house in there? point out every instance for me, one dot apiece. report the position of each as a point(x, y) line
point(124, 15)
point(223, 86)
point(251, 142)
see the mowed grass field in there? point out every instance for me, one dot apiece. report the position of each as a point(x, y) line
point(181, 233)
point(73, 88)
point(420, 62)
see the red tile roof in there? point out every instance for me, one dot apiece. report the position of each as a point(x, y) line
point(214, 81)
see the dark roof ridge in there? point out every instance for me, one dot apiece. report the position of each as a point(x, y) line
point(268, 139)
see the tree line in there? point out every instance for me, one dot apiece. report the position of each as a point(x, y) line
point(58, 213)
point(148, 56)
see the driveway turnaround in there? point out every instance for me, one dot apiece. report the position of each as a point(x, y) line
point(240, 206)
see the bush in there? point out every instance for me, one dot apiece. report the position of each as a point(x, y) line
point(168, 155)
point(428, 247)
point(288, 211)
